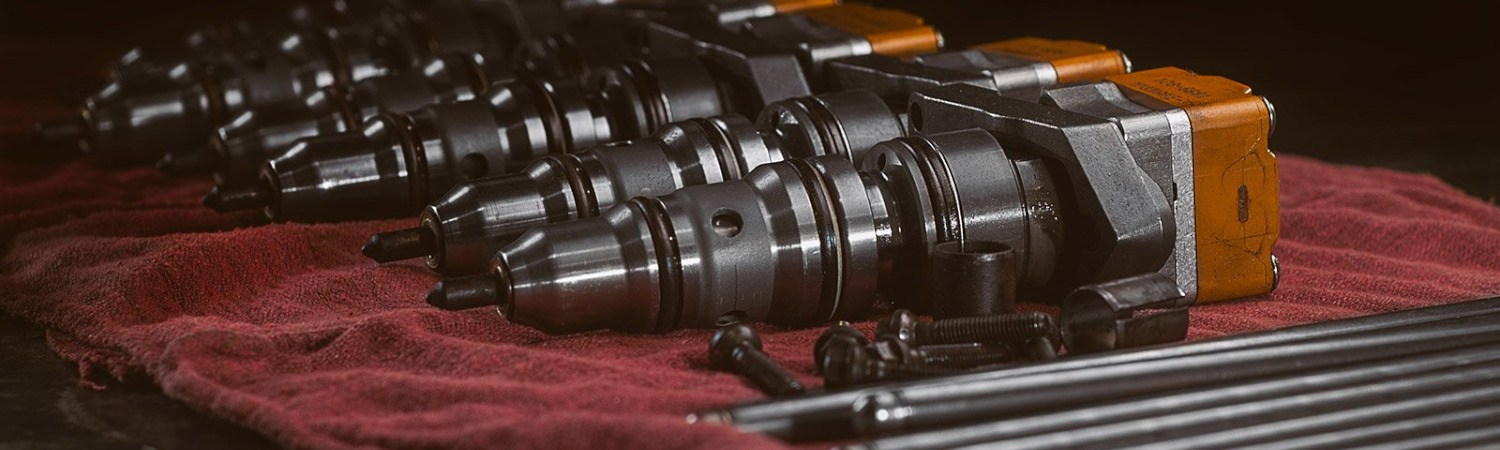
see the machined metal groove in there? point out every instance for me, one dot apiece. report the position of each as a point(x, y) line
point(551, 116)
point(828, 126)
point(826, 216)
point(841, 226)
point(416, 155)
point(558, 203)
point(723, 148)
point(439, 246)
point(573, 169)
point(943, 194)
point(507, 306)
point(647, 86)
point(668, 259)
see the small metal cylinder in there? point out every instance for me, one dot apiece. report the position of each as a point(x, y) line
point(973, 278)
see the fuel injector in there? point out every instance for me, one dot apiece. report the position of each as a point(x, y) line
point(460, 232)
point(604, 36)
point(144, 68)
point(397, 164)
point(141, 126)
point(239, 148)
point(1077, 195)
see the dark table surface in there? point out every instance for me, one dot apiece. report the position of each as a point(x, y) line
point(1410, 89)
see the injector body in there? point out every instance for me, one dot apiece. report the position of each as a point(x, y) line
point(147, 68)
point(243, 145)
point(467, 226)
point(602, 37)
point(460, 232)
point(1076, 195)
point(399, 163)
point(141, 126)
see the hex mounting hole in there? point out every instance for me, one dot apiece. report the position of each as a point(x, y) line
point(727, 223)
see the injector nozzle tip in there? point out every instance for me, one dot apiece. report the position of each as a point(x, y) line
point(473, 291)
point(59, 136)
point(48, 141)
point(58, 130)
point(400, 244)
point(192, 162)
point(234, 199)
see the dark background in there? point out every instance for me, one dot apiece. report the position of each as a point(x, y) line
point(1412, 88)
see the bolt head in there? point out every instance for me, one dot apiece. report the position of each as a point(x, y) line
point(900, 326)
point(837, 330)
point(726, 339)
point(844, 362)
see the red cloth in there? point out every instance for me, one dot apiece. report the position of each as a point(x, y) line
point(287, 330)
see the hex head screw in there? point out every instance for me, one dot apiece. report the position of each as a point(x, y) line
point(737, 349)
point(845, 361)
point(839, 331)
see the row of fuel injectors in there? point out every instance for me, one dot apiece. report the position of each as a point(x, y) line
point(648, 165)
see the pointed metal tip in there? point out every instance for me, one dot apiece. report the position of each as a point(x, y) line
point(58, 131)
point(474, 291)
point(50, 140)
point(234, 199)
point(400, 244)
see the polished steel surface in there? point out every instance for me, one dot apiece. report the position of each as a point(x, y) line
point(475, 219)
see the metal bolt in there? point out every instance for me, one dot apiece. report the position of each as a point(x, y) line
point(937, 357)
point(995, 329)
point(737, 349)
point(847, 361)
point(839, 330)
point(965, 356)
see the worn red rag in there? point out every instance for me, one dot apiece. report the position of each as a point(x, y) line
point(287, 330)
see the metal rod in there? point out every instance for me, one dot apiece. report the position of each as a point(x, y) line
point(818, 416)
point(1296, 415)
point(1193, 400)
point(931, 406)
point(1483, 435)
point(1423, 414)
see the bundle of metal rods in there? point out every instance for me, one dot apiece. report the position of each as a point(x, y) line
point(1422, 378)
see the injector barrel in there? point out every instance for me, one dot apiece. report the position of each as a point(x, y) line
point(240, 147)
point(141, 125)
point(597, 39)
point(398, 163)
point(462, 231)
point(796, 242)
point(527, 120)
